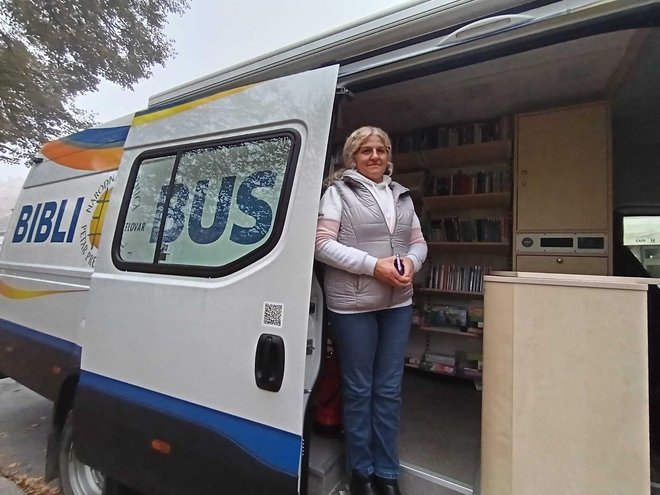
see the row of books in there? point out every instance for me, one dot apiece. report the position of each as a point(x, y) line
point(441, 315)
point(441, 368)
point(459, 229)
point(457, 278)
point(468, 365)
point(456, 134)
point(469, 183)
point(452, 315)
point(460, 358)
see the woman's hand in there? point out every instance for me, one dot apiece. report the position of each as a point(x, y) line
point(386, 272)
point(410, 268)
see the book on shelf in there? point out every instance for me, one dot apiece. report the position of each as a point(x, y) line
point(403, 143)
point(463, 229)
point(412, 180)
point(472, 182)
point(413, 360)
point(441, 315)
point(475, 318)
point(457, 278)
point(471, 372)
point(470, 361)
point(453, 134)
point(446, 359)
point(417, 316)
point(444, 369)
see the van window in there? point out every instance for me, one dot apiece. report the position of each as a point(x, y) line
point(153, 177)
point(641, 234)
point(204, 207)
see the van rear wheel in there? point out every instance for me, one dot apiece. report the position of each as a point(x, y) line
point(76, 478)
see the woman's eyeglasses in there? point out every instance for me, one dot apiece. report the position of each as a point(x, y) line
point(367, 151)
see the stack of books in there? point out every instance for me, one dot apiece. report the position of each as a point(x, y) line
point(457, 278)
point(469, 183)
point(462, 229)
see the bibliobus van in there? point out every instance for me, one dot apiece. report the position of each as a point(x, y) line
point(157, 279)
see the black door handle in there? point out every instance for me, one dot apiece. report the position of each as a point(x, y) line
point(269, 362)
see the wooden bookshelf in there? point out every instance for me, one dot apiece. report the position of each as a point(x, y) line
point(482, 154)
point(450, 331)
point(425, 290)
point(410, 161)
point(465, 168)
point(458, 372)
point(467, 201)
point(494, 152)
point(472, 247)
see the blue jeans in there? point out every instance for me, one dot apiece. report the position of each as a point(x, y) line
point(371, 348)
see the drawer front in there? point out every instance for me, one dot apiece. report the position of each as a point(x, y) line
point(581, 265)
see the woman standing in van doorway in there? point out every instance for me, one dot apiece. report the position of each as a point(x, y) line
point(370, 238)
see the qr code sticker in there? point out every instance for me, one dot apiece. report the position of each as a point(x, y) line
point(273, 314)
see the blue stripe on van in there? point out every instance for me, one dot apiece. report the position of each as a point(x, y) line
point(40, 337)
point(99, 137)
point(278, 449)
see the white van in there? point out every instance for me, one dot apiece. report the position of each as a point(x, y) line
point(156, 278)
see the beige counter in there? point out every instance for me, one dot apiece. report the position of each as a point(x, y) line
point(565, 385)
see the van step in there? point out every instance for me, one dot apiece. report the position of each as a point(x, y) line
point(418, 481)
point(421, 481)
point(328, 476)
point(327, 465)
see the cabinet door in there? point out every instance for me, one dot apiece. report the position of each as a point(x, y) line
point(562, 170)
point(581, 265)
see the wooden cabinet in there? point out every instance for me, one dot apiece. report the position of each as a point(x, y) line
point(583, 265)
point(562, 169)
point(562, 185)
point(565, 404)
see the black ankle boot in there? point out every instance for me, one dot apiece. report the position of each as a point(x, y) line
point(385, 486)
point(361, 485)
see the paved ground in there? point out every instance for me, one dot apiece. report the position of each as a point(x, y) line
point(24, 426)
point(9, 487)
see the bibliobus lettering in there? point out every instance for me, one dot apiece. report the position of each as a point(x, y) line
point(35, 223)
point(246, 202)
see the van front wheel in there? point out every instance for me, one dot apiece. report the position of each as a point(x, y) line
point(76, 478)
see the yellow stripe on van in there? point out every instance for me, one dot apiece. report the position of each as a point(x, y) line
point(168, 112)
point(10, 292)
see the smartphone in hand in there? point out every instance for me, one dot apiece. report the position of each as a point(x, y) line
point(398, 264)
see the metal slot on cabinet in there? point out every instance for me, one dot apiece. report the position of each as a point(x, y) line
point(577, 243)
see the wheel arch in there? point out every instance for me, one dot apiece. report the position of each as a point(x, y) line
point(61, 407)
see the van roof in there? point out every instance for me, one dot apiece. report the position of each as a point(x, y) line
point(406, 24)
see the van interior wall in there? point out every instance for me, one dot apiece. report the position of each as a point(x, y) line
point(636, 131)
point(569, 73)
point(636, 136)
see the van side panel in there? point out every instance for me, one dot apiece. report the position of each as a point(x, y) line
point(49, 254)
point(202, 450)
point(39, 361)
point(47, 260)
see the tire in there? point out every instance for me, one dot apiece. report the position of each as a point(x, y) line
point(76, 478)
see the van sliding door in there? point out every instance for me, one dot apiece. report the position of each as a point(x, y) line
point(196, 343)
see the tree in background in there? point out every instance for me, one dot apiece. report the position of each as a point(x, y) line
point(54, 50)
